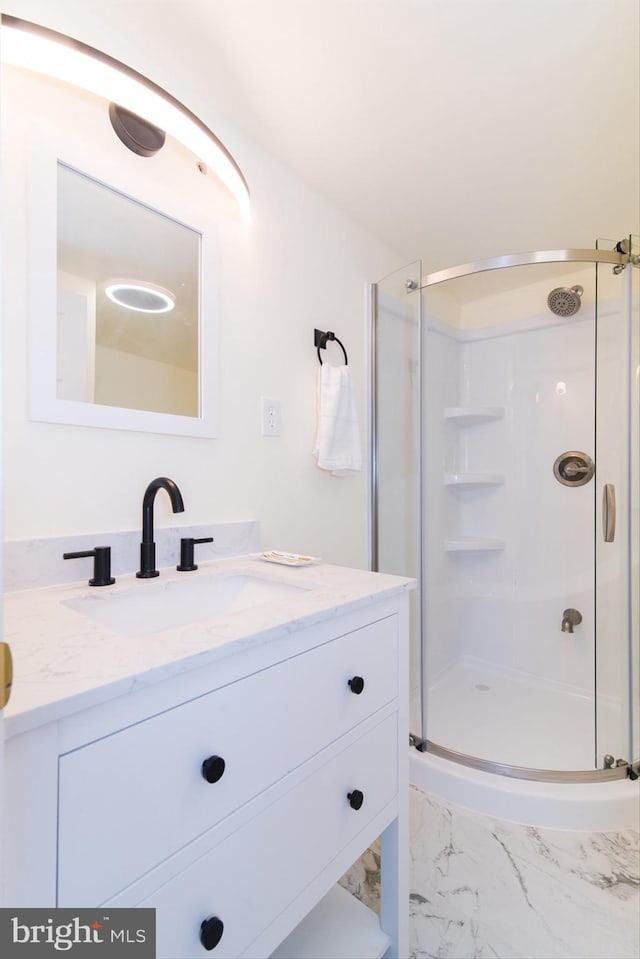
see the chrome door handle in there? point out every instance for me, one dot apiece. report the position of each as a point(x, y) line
point(609, 512)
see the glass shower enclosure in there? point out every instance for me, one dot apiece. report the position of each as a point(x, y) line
point(505, 478)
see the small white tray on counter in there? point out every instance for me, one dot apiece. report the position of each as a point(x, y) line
point(287, 559)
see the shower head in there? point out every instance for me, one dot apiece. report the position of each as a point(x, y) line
point(564, 300)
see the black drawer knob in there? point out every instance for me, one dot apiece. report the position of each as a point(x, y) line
point(356, 685)
point(212, 769)
point(211, 932)
point(356, 798)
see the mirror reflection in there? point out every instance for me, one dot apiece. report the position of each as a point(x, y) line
point(127, 301)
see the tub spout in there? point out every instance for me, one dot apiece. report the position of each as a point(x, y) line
point(570, 618)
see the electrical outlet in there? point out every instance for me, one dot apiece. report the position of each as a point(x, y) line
point(271, 416)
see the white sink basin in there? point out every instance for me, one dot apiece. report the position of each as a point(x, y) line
point(152, 606)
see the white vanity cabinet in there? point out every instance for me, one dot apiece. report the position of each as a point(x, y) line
point(231, 797)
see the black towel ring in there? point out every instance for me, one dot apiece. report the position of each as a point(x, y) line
point(321, 339)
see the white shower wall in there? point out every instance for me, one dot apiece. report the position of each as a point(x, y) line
point(545, 381)
point(444, 611)
point(505, 607)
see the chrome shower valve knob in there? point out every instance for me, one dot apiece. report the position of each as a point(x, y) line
point(574, 468)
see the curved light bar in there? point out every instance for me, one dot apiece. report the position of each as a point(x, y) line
point(140, 296)
point(45, 51)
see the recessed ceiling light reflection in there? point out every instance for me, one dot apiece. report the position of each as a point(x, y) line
point(139, 296)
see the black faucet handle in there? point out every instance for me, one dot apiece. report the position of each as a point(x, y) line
point(101, 564)
point(187, 544)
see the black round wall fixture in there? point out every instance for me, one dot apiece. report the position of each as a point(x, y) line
point(137, 134)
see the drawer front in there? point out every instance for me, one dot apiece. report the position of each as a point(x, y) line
point(259, 870)
point(128, 801)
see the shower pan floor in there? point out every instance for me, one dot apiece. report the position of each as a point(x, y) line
point(510, 718)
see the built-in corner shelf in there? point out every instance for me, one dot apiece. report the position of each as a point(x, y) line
point(473, 415)
point(473, 545)
point(340, 925)
point(471, 480)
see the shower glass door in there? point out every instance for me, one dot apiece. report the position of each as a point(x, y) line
point(510, 374)
point(634, 503)
point(506, 410)
point(617, 574)
point(396, 393)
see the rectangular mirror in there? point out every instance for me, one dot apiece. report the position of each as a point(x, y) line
point(127, 301)
point(122, 321)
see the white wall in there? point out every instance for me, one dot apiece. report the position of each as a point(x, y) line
point(297, 264)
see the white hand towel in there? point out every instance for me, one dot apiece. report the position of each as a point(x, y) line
point(337, 446)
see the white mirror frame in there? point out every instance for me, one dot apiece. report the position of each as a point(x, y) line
point(44, 404)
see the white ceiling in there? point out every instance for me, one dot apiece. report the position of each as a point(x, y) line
point(452, 129)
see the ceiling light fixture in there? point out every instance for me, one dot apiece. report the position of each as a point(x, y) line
point(140, 296)
point(37, 48)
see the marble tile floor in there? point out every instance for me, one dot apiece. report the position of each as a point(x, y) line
point(483, 887)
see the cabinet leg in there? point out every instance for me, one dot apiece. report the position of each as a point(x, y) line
point(394, 887)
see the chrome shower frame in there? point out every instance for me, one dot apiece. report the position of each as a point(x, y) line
point(619, 259)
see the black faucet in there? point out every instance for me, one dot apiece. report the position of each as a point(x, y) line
point(147, 546)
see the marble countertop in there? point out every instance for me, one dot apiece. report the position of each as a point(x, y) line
point(65, 662)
